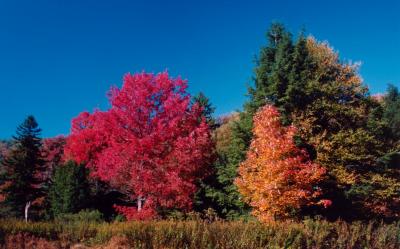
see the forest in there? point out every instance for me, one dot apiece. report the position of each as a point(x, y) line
point(312, 160)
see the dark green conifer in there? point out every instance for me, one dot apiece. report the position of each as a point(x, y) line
point(22, 171)
point(69, 192)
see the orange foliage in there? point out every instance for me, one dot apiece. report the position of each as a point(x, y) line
point(277, 179)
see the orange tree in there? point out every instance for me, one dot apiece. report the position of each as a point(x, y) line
point(277, 178)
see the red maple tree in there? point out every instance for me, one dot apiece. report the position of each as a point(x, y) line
point(152, 144)
point(52, 151)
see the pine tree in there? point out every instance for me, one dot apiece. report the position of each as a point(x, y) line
point(23, 168)
point(391, 113)
point(208, 109)
point(69, 192)
point(326, 100)
point(270, 84)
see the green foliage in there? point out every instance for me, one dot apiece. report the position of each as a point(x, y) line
point(385, 121)
point(22, 167)
point(208, 108)
point(340, 126)
point(391, 113)
point(217, 190)
point(355, 136)
point(85, 216)
point(69, 191)
point(280, 76)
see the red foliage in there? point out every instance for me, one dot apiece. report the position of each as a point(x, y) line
point(132, 213)
point(151, 144)
point(52, 152)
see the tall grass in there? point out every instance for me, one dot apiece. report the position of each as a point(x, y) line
point(199, 234)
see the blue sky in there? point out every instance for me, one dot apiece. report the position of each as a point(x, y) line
point(58, 58)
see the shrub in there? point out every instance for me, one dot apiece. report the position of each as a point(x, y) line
point(88, 216)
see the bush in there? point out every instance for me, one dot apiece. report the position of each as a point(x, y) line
point(88, 216)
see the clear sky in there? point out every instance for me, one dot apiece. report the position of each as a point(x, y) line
point(58, 58)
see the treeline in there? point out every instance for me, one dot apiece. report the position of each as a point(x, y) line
point(310, 141)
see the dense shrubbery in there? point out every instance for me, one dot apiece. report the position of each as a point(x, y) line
point(199, 234)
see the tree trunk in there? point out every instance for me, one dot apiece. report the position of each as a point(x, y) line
point(27, 206)
point(139, 203)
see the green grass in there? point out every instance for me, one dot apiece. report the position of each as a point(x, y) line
point(198, 234)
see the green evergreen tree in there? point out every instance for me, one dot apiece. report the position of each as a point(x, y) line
point(391, 114)
point(273, 68)
point(325, 98)
point(23, 167)
point(208, 109)
point(69, 192)
point(385, 123)
point(297, 94)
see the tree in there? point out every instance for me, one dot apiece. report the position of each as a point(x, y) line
point(336, 123)
point(24, 165)
point(208, 109)
point(277, 178)
point(215, 188)
point(151, 144)
point(379, 189)
point(270, 75)
point(4, 149)
point(53, 152)
point(326, 99)
point(391, 114)
point(69, 191)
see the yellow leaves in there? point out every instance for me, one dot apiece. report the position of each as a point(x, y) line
point(343, 176)
point(223, 134)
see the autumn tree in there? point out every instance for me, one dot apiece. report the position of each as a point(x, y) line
point(271, 77)
point(223, 134)
point(52, 151)
point(326, 99)
point(4, 149)
point(277, 179)
point(23, 167)
point(150, 145)
point(336, 121)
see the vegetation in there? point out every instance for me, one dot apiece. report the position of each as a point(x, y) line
point(69, 192)
point(277, 179)
point(21, 177)
point(344, 129)
point(198, 234)
point(152, 145)
point(313, 157)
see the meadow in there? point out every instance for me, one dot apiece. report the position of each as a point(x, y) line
point(199, 234)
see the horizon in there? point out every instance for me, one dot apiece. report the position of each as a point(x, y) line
point(60, 58)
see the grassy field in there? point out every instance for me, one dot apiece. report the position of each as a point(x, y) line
point(199, 234)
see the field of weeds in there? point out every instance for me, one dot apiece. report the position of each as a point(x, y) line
point(198, 234)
